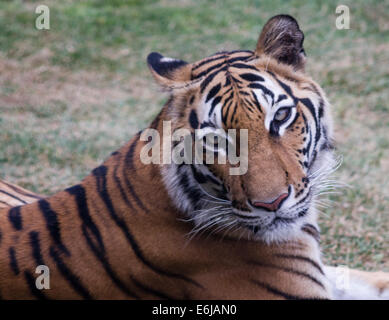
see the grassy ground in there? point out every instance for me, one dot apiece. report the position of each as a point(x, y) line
point(72, 94)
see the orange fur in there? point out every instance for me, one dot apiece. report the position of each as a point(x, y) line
point(205, 268)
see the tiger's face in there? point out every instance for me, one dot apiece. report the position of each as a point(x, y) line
point(288, 128)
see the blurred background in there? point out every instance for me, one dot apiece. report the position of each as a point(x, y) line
point(71, 95)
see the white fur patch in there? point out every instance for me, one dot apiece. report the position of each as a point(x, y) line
point(167, 59)
point(345, 286)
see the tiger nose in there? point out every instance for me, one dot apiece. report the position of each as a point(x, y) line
point(271, 206)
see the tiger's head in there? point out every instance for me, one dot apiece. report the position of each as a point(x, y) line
point(288, 127)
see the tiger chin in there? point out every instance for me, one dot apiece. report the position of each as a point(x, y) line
point(122, 232)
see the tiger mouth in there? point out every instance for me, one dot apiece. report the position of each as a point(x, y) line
point(271, 226)
point(277, 221)
point(246, 217)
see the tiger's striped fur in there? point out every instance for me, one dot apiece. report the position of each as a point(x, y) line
point(375, 283)
point(12, 195)
point(98, 248)
point(120, 232)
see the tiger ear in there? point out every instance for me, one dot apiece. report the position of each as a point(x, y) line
point(169, 72)
point(282, 39)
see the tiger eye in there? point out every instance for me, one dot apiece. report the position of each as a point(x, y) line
point(282, 114)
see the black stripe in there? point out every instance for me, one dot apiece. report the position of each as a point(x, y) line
point(36, 247)
point(250, 52)
point(101, 256)
point(321, 100)
point(152, 291)
point(193, 194)
point(228, 82)
point(88, 227)
point(13, 196)
point(249, 105)
point(239, 58)
point(78, 192)
point(33, 289)
point(207, 124)
point(130, 153)
point(193, 120)
point(303, 199)
point(7, 204)
point(212, 59)
point(237, 82)
point(251, 77)
point(243, 93)
point(129, 162)
point(281, 97)
point(200, 178)
point(226, 113)
point(219, 65)
point(308, 103)
point(243, 66)
point(258, 105)
point(215, 90)
point(312, 231)
point(230, 96)
point(214, 104)
point(280, 293)
point(100, 175)
point(12, 261)
point(234, 112)
point(309, 143)
point(302, 258)
point(73, 280)
point(27, 194)
point(289, 270)
point(120, 187)
point(265, 90)
point(224, 55)
point(52, 224)
point(15, 217)
point(307, 149)
point(209, 78)
point(287, 88)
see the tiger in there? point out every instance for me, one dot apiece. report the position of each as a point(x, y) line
point(135, 229)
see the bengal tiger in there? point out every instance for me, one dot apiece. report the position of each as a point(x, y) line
point(124, 232)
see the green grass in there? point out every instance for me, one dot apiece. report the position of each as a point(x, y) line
point(71, 95)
